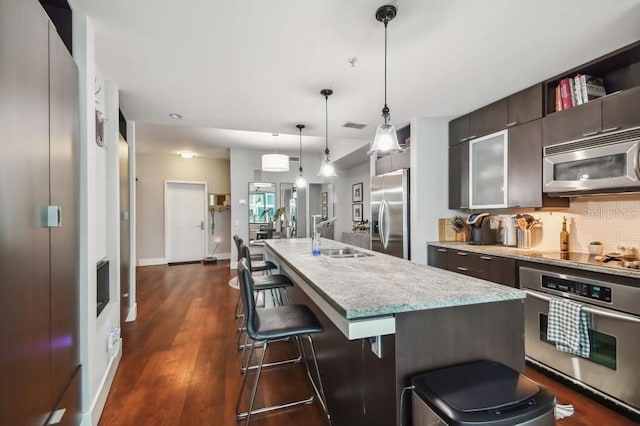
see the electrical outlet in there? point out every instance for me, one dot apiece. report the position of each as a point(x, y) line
point(112, 339)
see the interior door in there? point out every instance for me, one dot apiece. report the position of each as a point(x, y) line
point(123, 158)
point(185, 210)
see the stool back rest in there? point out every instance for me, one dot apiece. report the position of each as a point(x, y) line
point(245, 253)
point(238, 242)
point(246, 288)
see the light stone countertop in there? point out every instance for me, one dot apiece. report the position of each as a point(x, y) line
point(538, 256)
point(379, 285)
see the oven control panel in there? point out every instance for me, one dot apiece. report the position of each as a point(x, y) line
point(590, 291)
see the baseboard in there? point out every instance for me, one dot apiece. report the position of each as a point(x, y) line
point(92, 417)
point(233, 264)
point(152, 261)
point(132, 314)
point(223, 256)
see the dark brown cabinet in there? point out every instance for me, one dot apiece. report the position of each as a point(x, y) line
point(39, 262)
point(525, 105)
point(459, 130)
point(525, 168)
point(496, 269)
point(578, 122)
point(459, 176)
point(389, 163)
point(489, 119)
point(621, 110)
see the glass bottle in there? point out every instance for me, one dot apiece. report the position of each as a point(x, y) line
point(564, 236)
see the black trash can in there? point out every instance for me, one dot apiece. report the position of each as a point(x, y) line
point(480, 393)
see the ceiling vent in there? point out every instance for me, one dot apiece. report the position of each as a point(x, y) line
point(352, 125)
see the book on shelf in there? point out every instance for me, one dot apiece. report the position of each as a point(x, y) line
point(558, 99)
point(592, 87)
point(578, 89)
point(565, 93)
point(572, 91)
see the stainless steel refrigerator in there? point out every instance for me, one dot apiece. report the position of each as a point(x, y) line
point(390, 213)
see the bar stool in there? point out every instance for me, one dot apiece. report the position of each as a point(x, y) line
point(276, 284)
point(266, 325)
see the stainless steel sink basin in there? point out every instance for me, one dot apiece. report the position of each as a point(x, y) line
point(344, 253)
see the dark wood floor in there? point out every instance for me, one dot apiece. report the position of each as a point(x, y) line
point(180, 365)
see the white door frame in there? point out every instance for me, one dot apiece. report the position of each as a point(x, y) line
point(166, 207)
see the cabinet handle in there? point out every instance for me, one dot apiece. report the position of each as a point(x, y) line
point(610, 129)
point(461, 253)
point(56, 417)
point(464, 139)
point(460, 268)
point(590, 133)
point(486, 258)
point(471, 137)
point(513, 123)
point(442, 250)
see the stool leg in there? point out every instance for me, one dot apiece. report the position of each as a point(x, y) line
point(245, 366)
point(320, 391)
point(238, 308)
point(244, 382)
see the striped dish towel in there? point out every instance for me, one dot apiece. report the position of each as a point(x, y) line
point(568, 327)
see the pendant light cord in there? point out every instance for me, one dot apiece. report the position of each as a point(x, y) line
point(300, 126)
point(326, 124)
point(385, 109)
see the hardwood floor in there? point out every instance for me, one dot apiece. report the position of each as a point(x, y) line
point(180, 365)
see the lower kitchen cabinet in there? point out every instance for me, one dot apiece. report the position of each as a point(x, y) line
point(496, 269)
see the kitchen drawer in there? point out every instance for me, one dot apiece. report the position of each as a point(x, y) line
point(465, 262)
point(68, 411)
point(498, 270)
point(437, 257)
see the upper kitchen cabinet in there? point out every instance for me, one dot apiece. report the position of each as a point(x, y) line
point(620, 72)
point(525, 106)
point(459, 176)
point(459, 130)
point(488, 169)
point(389, 163)
point(489, 119)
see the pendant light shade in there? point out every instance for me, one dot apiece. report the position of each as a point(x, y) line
point(275, 162)
point(326, 166)
point(300, 180)
point(386, 139)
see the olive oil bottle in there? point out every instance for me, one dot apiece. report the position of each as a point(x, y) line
point(564, 236)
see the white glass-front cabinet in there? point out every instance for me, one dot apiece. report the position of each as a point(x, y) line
point(488, 171)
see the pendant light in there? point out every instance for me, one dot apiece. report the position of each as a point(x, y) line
point(386, 139)
point(326, 166)
point(275, 162)
point(300, 181)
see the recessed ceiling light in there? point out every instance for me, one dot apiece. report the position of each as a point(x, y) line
point(187, 155)
point(175, 115)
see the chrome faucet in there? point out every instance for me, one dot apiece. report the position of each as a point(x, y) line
point(315, 238)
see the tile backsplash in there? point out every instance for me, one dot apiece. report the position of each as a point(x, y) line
point(614, 220)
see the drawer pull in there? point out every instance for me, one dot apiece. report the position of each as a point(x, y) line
point(56, 417)
point(464, 139)
point(442, 250)
point(486, 258)
point(460, 268)
point(513, 123)
point(595, 132)
point(461, 253)
point(471, 137)
point(610, 129)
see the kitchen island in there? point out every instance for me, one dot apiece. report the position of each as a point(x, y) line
point(386, 319)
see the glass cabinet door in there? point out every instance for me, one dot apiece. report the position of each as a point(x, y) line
point(488, 171)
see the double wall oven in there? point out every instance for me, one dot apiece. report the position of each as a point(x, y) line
point(612, 369)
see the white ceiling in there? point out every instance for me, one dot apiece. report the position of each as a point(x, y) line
point(258, 66)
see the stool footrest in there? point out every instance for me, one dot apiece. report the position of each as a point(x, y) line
point(242, 416)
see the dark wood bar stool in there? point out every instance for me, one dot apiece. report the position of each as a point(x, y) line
point(267, 325)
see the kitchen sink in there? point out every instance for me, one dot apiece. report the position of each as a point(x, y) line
point(344, 253)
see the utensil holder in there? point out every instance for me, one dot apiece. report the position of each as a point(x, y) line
point(524, 238)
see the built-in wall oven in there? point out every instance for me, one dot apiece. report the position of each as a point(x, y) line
point(612, 369)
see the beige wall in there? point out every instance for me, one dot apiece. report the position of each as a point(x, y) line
point(152, 171)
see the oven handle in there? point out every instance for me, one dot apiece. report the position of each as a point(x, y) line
point(590, 310)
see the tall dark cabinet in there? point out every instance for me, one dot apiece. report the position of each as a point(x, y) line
point(39, 358)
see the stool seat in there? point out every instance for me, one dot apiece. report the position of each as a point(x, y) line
point(267, 265)
point(269, 282)
point(284, 321)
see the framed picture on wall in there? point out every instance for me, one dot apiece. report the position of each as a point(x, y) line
point(325, 213)
point(324, 198)
point(356, 212)
point(356, 192)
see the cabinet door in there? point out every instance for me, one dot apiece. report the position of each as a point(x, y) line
point(525, 106)
point(489, 119)
point(488, 171)
point(459, 176)
point(401, 160)
point(465, 263)
point(525, 165)
point(498, 270)
point(621, 110)
point(64, 192)
point(577, 122)
point(437, 257)
point(459, 130)
point(24, 192)
point(383, 165)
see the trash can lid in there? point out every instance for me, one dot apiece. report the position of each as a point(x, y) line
point(473, 387)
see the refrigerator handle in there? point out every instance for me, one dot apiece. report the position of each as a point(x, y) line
point(384, 234)
point(381, 223)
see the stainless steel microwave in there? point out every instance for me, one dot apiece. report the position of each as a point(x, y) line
point(603, 164)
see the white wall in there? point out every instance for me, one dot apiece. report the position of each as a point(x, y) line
point(98, 364)
point(152, 170)
point(347, 177)
point(428, 181)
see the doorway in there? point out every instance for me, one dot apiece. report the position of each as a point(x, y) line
point(123, 159)
point(185, 210)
